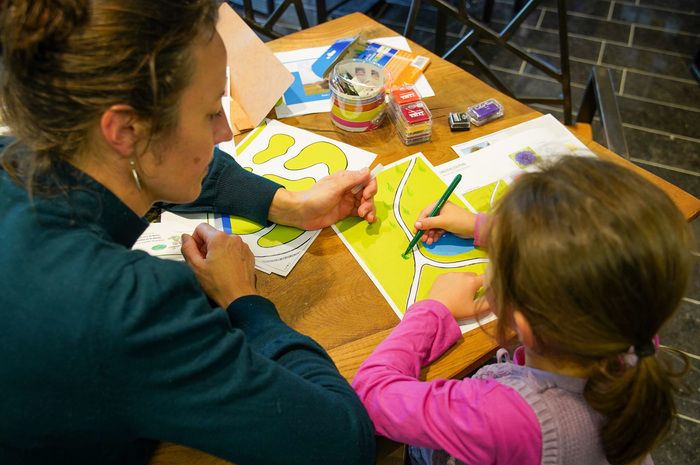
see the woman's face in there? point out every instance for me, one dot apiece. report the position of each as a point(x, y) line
point(172, 169)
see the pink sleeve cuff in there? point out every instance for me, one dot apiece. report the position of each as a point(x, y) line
point(480, 229)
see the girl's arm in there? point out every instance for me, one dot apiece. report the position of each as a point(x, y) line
point(477, 421)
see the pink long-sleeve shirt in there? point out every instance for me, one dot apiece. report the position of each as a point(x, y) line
point(479, 421)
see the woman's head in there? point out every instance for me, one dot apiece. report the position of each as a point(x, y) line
point(596, 259)
point(64, 63)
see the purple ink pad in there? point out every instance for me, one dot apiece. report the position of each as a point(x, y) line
point(485, 111)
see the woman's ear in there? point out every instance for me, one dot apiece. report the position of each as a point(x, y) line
point(121, 129)
point(522, 327)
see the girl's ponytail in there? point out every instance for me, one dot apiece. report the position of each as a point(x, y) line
point(626, 395)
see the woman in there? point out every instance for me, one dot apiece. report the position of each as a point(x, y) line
point(105, 351)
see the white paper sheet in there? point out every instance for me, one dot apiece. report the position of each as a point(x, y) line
point(162, 240)
point(544, 137)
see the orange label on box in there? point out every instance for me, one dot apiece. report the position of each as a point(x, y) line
point(403, 95)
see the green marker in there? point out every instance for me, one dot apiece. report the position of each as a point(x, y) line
point(436, 210)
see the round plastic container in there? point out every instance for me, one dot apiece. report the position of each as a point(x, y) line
point(357, 95)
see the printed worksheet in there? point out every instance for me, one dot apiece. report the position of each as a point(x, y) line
point(296, 159)
point(405, 189)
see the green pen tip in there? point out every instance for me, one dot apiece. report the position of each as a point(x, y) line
point(404, 256)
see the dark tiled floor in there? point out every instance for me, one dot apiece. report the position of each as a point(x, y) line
point(648, 45)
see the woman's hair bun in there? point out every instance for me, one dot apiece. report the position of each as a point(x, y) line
point(35, 25)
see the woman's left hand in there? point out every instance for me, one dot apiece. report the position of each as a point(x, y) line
point(327, 202)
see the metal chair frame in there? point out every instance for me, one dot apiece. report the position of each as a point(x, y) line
point(479, 30)
point(695, 66)
point(375, 8)
point(600, 95)
point(275, 14)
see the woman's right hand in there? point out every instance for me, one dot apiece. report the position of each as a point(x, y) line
point(451, 218)
point(223, 264)
point(457, 292)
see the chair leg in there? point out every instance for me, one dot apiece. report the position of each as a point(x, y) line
point(695, 66)
point(609, 111)
point(412, 18)
point(301, 14)
point(600, 96)
point(564, 60)
point(440, 32)
point(488, 10)
point(517, 6)
point(248, 9)
point(587, 107)
point(321, 11)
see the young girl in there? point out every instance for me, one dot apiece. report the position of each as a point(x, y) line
point(588, 261)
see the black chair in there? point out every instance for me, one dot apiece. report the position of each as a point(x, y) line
point(488, 9)
point(441, 21)
point(273, 15)
point(600, 96)
point(374, 8)
point(479, 30)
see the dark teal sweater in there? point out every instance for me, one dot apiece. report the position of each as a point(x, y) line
point(105, 351)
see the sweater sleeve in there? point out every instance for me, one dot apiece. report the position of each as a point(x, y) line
point(477, 421)
point(481, 229)
point(231, 189)
point(239, 384)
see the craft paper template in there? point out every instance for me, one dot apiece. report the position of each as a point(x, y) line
point(405, 189)
point(296, 159)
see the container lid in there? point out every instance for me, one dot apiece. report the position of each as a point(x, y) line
point(357, 80)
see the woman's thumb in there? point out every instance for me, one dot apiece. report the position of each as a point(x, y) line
point(190, 250)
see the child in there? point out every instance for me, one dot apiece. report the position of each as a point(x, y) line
point(588, 261)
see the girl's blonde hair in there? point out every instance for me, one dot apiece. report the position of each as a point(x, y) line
point(597, 259)
point(64, 62)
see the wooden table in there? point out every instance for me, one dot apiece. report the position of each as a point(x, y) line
point(328, 296)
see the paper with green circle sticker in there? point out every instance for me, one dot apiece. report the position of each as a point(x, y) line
point(162, 240)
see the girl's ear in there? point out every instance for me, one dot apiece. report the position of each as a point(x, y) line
point(121, 129)
point(522, 327)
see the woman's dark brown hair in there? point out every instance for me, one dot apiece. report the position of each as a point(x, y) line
point(64, 62)
point(597, 260)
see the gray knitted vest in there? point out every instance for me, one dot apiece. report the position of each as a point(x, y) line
point(569, 426)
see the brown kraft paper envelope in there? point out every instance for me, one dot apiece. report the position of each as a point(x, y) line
point(257, 78)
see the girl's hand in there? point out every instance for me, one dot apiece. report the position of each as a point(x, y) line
point(223, 264)
point(451, 217)
point(327, 202)
point(456, 291)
